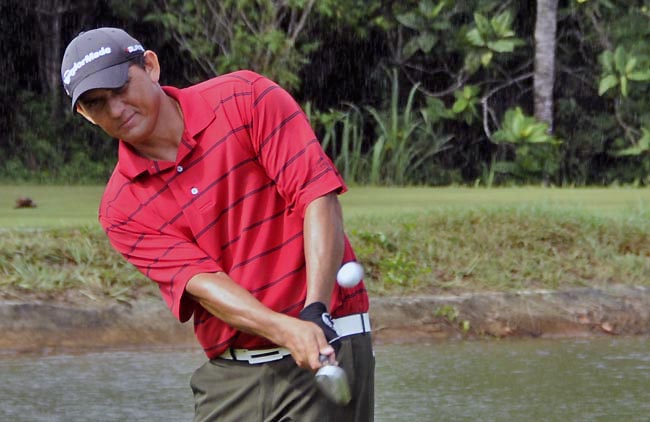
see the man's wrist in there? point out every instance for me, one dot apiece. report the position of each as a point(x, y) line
point(318, 313)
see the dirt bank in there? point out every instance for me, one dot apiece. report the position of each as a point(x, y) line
point(616, 310)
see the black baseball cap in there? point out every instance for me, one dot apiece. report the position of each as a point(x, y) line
point(98, 58)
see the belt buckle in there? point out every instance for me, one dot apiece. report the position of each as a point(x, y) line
point(255, 358)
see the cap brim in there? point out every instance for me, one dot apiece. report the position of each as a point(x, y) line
point(109, 78)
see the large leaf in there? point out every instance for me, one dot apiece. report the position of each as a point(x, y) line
point(642, 146)
point(426, 41)
point(644, 142)
point(624, 86)
point(486, 58)
point(639, 75)
point(482, 23)
point(409, 20)
point(620, 59)
point(459, 105)
point(628, 152)
point(411, 47)
point(470, 91)
point(538, 133)
point(433, 12)
point(501, 24)
point(475, 38)
point(517, 122)
point(501, 46)
point(607, 83)
point(629, 66)
point(606, 59)
point(472, 62)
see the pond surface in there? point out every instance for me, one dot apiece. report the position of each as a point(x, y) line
point(602, 379)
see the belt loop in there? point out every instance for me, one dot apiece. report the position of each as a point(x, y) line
point(232, 353)
point(363, 323)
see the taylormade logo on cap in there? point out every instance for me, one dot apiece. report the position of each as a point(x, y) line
point(87, 59)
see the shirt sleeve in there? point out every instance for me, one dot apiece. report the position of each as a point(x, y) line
point(288, 149)
point(167, 258)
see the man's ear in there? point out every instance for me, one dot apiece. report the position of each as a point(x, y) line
point(86, 116)
point(152, 66)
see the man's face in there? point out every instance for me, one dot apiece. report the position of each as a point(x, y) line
point(130, 112)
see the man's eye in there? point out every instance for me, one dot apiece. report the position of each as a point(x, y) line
point(93, 104)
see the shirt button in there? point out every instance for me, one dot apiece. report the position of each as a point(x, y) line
point(179, 169)
point(194, 191)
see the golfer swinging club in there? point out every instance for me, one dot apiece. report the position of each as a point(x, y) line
point(223, 196)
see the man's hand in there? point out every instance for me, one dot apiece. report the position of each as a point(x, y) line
point(317, 313)
point(307, 343)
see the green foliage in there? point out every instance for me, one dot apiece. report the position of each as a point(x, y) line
point(503, 248)
point(450, 239)
point(49, 151)
point(517, 128)
point(241, 34)
point(642, 146)
point(490, 36)
point(405, 139)
point(618, 69)
point(534, 152)
point(460, 66)
point(466, 101)
point(405, 142)
point(448, 312)
point(79, 260)
point(342, 137)
point(425, 20)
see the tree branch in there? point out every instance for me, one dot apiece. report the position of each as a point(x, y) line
point(602, 34)
point(484, 100)
point(630, 132)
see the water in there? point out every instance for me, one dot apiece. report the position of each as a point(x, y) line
point(603, 379)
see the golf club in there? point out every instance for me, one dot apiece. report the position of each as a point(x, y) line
point(333, 382)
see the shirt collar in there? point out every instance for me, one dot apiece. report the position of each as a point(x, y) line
point(131, 164)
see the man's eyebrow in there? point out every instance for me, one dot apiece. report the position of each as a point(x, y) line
point(93, 95)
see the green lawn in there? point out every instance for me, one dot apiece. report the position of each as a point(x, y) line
point(57, 206)
point(600, 201)
point(64, 206)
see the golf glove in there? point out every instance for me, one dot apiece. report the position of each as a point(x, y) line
point(317, 313)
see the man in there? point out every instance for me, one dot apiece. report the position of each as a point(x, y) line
point(223, 196)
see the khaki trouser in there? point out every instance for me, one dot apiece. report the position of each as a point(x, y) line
point(279, 391)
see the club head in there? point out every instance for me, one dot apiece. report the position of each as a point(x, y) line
point(333, 383)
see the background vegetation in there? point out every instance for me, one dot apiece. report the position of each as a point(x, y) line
point(410, 240)
point(409, 92)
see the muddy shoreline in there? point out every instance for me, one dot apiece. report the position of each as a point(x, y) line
point(47, 327)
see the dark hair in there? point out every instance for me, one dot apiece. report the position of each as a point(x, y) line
point(137, 61)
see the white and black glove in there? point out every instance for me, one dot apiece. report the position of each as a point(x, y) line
point(317, 313)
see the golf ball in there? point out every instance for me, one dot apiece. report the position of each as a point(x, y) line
point(350, 274)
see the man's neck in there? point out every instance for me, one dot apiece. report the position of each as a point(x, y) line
point(169, 133)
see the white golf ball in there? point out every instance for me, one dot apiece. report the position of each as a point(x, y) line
point(350, 274)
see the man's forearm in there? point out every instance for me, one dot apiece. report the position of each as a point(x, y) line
point(228, 301)
point(224, 298)
point(324, 246)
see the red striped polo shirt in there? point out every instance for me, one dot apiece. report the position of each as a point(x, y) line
point(233, 201)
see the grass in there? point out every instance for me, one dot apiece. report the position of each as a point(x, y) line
point(410, 240)
point(502, 249)
point(57, 206)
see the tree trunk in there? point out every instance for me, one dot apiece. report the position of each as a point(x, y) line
point(544, 80)
point(49, 15)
